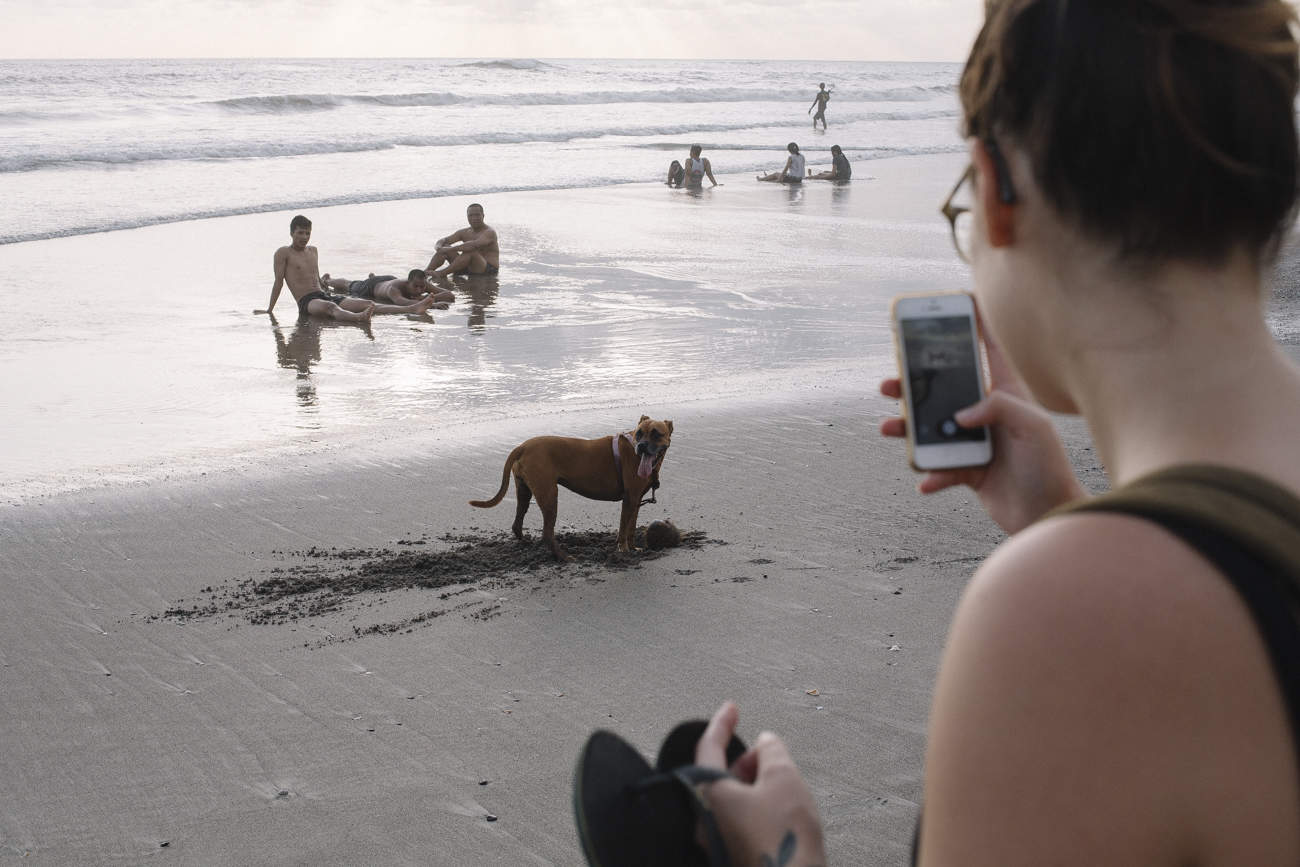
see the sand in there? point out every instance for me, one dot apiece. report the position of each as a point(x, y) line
point(320, 654)
point(387, 726)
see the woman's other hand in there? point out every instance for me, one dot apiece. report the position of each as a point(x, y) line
point(766, 815)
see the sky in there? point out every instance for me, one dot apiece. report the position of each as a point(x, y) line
point(705, 29)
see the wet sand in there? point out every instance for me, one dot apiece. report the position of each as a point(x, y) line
point(156, 365)
point(386, 726)
point(321, 654)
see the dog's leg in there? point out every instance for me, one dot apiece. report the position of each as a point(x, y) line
point(627, 523)
point(524, 495)
point(548, 500)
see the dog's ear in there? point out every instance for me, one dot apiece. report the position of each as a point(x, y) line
point(669, 424)
point(643, 418)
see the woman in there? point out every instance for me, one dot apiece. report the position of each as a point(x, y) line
point(840, 168)
point(792, 171)
point(1115, 688)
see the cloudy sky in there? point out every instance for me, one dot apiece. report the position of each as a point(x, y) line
point(759, 29)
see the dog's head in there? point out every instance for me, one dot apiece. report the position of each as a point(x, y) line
point(652, 439)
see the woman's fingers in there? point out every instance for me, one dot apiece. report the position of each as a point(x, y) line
point(944, 479)
point(894, 426)
point(771, 756)
point(711, 751)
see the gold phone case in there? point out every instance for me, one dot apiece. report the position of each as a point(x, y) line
point(901, 363)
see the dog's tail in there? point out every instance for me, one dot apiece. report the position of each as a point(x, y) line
point(505, 480)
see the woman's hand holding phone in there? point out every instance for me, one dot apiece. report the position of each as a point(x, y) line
point(1029, 475)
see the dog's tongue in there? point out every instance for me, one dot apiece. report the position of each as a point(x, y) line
point(646, 467)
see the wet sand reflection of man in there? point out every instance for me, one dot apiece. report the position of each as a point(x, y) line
point(298, 352)
point(482, 292)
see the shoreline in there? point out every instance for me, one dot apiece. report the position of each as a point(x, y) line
point(588, 313)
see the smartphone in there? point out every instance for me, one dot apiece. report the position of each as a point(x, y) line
point(940, 365)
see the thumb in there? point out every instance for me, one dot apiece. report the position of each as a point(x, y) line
point(711, 749)
point(977, 414)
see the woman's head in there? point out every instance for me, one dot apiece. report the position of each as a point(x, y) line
point(1163, 127)
point(792, 148)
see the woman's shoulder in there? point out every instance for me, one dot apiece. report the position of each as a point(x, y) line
point(1097, 647)
point(1097, 569)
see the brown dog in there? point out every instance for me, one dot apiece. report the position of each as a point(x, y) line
point(621, 467)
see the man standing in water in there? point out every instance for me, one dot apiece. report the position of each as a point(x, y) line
point(819, 102)
point(469, 251)
point(299, 266)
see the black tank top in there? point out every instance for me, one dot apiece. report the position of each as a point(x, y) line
point(1249, 528)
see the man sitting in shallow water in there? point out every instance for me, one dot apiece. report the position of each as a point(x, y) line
point(299, 266)
point(472, 250)
point(389, 289)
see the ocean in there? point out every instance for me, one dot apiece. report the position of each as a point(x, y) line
point(97, 145)
point(143, 201)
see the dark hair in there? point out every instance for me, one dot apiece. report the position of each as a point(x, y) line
point(297, 221)
point(835, 149)
point(476, 205)
point(792, 148)
point(417, 274)
point(1165, 126)
point(695, 149)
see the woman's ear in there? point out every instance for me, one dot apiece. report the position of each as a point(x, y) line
point(999, 216)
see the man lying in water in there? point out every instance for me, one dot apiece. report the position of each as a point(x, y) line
point(299, 266)
point(389, 289)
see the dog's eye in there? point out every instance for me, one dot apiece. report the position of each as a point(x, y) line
point(654, 434)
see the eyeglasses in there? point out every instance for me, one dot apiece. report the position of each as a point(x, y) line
point(960, 216)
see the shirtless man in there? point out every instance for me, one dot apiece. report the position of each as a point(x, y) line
point(819, 102)
point(389, 289)
point(299, 266)
point(469, 251)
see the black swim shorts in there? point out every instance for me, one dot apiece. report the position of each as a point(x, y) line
point(312, 296)
point(489, 271)
point(366, 288)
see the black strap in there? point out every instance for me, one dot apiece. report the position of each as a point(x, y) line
point(1256, 582)
point(690, 777)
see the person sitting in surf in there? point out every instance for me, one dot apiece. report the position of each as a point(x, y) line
point(298, 265)
point(469, 251)
point(840, 168)
point(697, 167)
point(792, 172)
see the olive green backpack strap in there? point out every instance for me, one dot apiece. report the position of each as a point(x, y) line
point(1249, 528)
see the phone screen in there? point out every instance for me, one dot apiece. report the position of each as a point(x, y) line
point(943, 374)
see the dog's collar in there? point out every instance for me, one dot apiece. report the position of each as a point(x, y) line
point(627, 435)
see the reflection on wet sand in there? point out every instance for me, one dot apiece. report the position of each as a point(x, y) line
point(482, 291)
point(301, 349)
point(298, 352)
